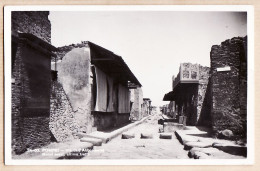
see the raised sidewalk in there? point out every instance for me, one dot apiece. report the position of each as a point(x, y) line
point(201, 145)
point(76, 148)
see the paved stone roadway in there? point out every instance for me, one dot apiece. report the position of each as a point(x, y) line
point(137, 148)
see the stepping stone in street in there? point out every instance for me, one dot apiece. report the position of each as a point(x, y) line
point(127, 135)
point(146, 136)
point(94, 141)
point(165, 136)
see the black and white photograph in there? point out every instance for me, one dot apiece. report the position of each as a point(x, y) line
point(129, 85)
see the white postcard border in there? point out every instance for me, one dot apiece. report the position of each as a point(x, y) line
point(250, 98)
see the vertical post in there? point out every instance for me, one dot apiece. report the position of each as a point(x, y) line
point(55, 63)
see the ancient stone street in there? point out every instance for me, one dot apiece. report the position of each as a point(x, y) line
point(137, 148)
point(151, 84)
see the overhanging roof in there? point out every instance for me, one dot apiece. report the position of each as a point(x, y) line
point(37, 41)
point(34, 42)
point(178, 90)
point(112, 64)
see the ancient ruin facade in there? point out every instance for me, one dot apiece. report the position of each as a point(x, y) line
point(215, 97)
point(58, 93)
point(146, 108)
point(188, 94)
point(137, 103)
point(31, 80)
point(96, 86)
point(229, 86)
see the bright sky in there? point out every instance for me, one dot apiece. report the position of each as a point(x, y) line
point(153, 44)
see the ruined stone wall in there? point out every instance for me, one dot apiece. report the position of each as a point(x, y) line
point(190, 97)
point(29, 125)
point(62, 51)
point(137, 96)
point(229, 86)
point(74, 79)
point(34, 22)
point(243, 79)
point(62, 122)
point(17, 142)
point(202, 92)
point(205, 105)
point(145, 108)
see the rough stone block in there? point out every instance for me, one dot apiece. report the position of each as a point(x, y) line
point(172, 127)
point(146, 136)
point(225, 134)
point(127, 135)
point(165, 136)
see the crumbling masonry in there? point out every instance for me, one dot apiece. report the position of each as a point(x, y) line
point(229, 86)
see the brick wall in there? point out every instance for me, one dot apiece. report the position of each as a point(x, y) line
point(34, 22)
point(17, 139)
point(30, 109)
point(229, 87)
point(30, 66)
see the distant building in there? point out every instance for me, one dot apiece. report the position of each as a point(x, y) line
point(146, 106)
point(189, 88)
point(153, 110)
point(137, 103)
point(217, 96)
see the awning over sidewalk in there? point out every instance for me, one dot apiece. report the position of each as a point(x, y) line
point(178, 91)
point(113, 65)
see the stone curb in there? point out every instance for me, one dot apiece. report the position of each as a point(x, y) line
point(106, 137)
